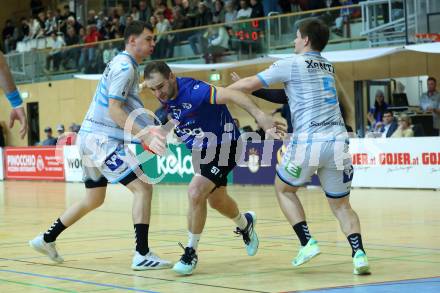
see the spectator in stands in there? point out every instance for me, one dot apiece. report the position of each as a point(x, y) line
point(189, 13)
point(177, 23)
point(71, 21)
point(245, 10)
point(144, 11)
point(109, 53)
point(51, 24)
point(230, 12)
point(117, 29)
point(67, 13)
point(430, 102)
point(167, 12)
point(219, 12)
point(8, 36)
point(38, 26)
point(218, 43)
point(60, 129)
point(405, 127)
point(343, 18)
point(204, 17)
point(257, 9)
point(50, 140)
point(88, 63)
point(135, 12)
point(23, 32)
point(74, 127)
point(376, 113)
point(71, 55)
point(162, 44)
point(55, 54)
point(92, 18)
point(153, 23)
point(388, 125)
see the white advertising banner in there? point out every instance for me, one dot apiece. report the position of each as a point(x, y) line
point(396, 162)
point(2, 174)
point(72, 164)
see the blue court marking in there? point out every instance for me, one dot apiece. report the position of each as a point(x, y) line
point(428, 285)
point(78, 281)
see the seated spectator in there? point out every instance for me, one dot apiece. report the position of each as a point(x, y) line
point(23, 32)
point(51, 24)
point(219, 12)
point(109, 53)
point(135, 12)
point(162, 44)
point(144, 10)
point(189, 13)
point(203, 18)
point(257, 9)
point(405, 127)
point(218, 42)
point(245, 10)
point(430, 102)
point(50, 140)
point(388, 125)
point(71, 55)
point(376, 113)
point(167, 12)
point(230, 12)
point(55, 54)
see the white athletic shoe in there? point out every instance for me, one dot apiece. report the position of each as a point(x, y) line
point(46, 248)
point(150, 261)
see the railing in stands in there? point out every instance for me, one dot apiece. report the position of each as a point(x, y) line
point(240, 40)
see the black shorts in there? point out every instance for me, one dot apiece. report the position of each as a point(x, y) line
point(216, 170)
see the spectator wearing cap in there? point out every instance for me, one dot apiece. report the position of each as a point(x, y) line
point(50, 140)
point(60, 129)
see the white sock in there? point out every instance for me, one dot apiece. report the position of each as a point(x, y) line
point(193, 240)
point(240, 221)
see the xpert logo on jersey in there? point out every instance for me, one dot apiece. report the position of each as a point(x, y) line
point(196, 87)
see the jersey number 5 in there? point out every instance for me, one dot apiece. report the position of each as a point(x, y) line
point(329, 87)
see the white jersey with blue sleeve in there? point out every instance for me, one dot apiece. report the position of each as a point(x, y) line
point(310, 87)
point(119, 81)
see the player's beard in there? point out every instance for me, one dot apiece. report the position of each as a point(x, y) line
point(171, 90)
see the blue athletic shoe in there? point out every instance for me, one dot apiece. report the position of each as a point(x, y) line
point(249, 234)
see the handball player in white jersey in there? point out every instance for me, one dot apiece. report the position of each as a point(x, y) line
point(103, 144)
point(319, 142)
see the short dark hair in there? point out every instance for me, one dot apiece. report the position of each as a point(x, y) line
point(388, 112)
point(157, 67)
point(135, 28)
point(317, 32)
point(432, 78)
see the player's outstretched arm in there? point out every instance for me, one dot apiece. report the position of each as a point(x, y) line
point(13, 95)
point(226, 95)
point(254, 85)
point(153, 136)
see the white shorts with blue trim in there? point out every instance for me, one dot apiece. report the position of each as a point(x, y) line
point(329, 159)
point(108, 157)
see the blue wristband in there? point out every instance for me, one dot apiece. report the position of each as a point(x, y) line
point(14, 98)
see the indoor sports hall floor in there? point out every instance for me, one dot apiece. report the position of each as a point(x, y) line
point(401, 231)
